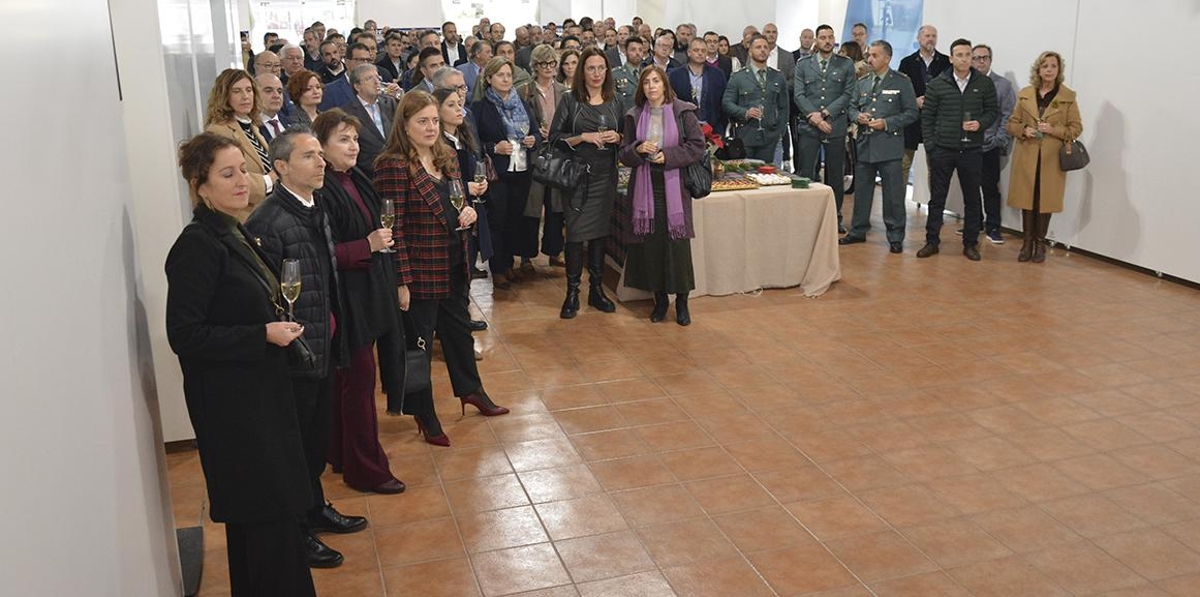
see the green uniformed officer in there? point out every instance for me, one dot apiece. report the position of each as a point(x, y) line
point(756, 102)
point(884, 105)
point(824, 83)
point(625, 76)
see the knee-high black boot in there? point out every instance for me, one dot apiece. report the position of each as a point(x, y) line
point(574, 254)
point(1029, 225)
point(682, 315)
point(596, 297)
point(1039, 246)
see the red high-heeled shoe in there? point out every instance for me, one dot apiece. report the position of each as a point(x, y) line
point(485, 405)
point(442, 439)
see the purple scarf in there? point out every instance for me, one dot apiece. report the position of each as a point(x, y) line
point(643, 190)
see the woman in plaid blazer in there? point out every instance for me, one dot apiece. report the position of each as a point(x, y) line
point(415, 170)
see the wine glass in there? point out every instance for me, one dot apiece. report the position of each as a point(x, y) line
point(387, 218)
point(289, 284)
point(458, 198)
point(655, 133)
point(966, 119)
point(760, 107)
point(602, 125)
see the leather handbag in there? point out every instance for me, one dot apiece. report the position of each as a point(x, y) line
point(698, 178)
point(1073, 156)
point(555, 167)
point(416, 360)
point(734, 149)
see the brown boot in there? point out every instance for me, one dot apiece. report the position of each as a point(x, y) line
point(1029, 225)
point(1039, 247)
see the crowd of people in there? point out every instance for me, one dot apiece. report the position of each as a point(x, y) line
point(364, 179)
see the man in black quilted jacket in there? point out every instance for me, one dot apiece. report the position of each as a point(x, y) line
point(960, 104)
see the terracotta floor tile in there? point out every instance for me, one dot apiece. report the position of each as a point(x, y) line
point(1144, 590)
point(1155, 503)
point(1180, 586)
point(678, 543)
point(1100, 472)
point(991, 453)
point(604, 445)
point(519, 569)
point(801, 569)
point(764, 529)
point(699, 463)
point(909, 505)
point(631, 389)
point(716, 578)
point(955, 542)
point(1039, 483)
point(1093, 515)
point(1157, 461)
point(656, 504)
point(929, 462)
point(766, 454)
point(1160, 425)
point(880, 556)
point(443, 578)
point(500, 529)
point(1187, 533)
point(1106, 434)
point(930, 584)
point(580, 517)
point(485, 493)
point(1151, 553)
point(513, 428)
point(472, 462)
point(865, 472)
point(417, 542)
point(836, 518)
point(628, 473)
point(645, 584)
point(651, 412)
point(604, 556)
point(542, 454)
point(673, 436)
point(341, 582)
point(566, 397)
point(798, 484)
point(592, 418)
point(971, 494)
point(1083, 569)
point(1025, 529)
point(358, 549)
point(1006, 577)
point(729, 494)
point(565, 483)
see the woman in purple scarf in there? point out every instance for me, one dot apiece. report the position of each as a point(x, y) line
point(662, 136)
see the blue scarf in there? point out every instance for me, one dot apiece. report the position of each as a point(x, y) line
point(513, 112)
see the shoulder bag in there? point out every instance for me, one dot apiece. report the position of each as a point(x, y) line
point(1073, 156)
point(555, 167)
point(698, 177)
point(416, 361)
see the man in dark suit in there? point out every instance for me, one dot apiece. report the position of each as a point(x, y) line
point(662, 54)
point(921, 67)
point(272, 117)
point(698, 76)
point(339, 91)
point(614, 51)
point(333, 68)
point(392, 58)
point(453, 51)
point(741, 51)
point(374, 111)
point(713, 57)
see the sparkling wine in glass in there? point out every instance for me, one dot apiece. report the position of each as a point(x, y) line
point(387, 218)
point(458, 198)
point(480, 172)
point(655, 134)
point(966, 119)
point(761, 109)
point(289, 284)
point(602, 124)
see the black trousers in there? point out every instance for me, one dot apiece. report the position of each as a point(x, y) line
point(449, 317)
point(989, 181)
point(268, 559)
point(835, 164)
point(553, 241)
point(314, 409)
point(942, 165)
point(506, 218)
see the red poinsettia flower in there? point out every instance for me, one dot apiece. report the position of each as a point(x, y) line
point(712, 138)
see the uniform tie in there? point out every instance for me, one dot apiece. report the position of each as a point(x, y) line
point(875, 87)
point(824, 65)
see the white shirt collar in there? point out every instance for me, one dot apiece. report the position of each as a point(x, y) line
point(309, 203)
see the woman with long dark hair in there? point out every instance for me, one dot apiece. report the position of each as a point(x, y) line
point(587, 119)
point(458, 134)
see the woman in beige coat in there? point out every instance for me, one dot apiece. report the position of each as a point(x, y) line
point(1046, 115)
point(233, 107)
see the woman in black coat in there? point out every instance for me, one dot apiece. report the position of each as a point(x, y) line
point(222, 321)
point(458, 134)
point(367, 291)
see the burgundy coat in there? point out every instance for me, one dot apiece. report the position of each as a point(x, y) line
point(422, 253)
point(689, 151)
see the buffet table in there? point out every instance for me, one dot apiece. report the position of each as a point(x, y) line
point(771, 237)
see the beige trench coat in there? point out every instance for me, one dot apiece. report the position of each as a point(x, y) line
point(1063, 115)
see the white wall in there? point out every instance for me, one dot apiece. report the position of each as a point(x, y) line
point(1135, 203)
point(87, 510)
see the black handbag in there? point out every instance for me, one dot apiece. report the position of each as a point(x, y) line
point(734, 149)
point(555, 167)
point(698, 178)
point(1073, 156)
point(416, 360)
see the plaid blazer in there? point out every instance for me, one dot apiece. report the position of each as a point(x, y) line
point(421, 230)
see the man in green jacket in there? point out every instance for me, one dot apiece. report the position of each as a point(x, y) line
point(960, 104)
point(825, 86)
point(756, 102)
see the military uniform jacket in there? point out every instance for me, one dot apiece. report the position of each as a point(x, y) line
point(625, 81)
point(894, 102)
point(743, 93)
point(830, 91)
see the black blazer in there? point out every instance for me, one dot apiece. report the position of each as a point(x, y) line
point(237, 385)
point(919, 76)
point(370, 140)
point(458, 58)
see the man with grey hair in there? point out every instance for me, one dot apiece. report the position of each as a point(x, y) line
point(481, 53)
point(496, 32)
point(374, 110)
point(272, 117)
point(291, 224)
point(448, 78)
point(996, 142)
point(292, 57)
point(684, 34)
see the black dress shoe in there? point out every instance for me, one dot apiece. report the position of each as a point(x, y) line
point(332, 521)
point(928, 250)
point(851, 240)
point(841, 229)
point(321, 555)
point(390, 486)
point(971, 252)
point(896, 247)
point(478, 325)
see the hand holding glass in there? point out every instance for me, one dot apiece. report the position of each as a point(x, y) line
point(289, 284)
point(966, 119)
point(387, 218)
point(458, 198)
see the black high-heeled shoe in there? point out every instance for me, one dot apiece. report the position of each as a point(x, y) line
point(479, 399)
point(432, 430)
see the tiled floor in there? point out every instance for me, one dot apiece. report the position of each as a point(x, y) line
point(934, 428)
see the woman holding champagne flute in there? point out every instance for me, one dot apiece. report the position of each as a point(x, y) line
point(223, 308)
point(457, 133)
point(420, 173)
point(362, 233)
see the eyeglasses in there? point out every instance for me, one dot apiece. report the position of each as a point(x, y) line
point(591, 70)
point(981, 58)
point(546, 64)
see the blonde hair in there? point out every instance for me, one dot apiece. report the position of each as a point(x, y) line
point(493, 66)
point(218, 111)
point(1036, 80)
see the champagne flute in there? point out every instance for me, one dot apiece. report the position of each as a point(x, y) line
point(966, 119)
point(387, 218)
point(761, 108)
point(602, 125)
point(458, 199)
point(289, 284)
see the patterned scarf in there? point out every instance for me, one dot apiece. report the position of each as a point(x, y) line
point(643, 192)
point(513, 112)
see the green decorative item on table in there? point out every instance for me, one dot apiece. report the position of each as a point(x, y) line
point(800, 182)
